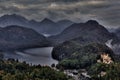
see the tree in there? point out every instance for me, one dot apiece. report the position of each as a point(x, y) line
point(53, 65)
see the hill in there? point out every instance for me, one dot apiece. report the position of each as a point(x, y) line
point(16, 37)
point(91, 30)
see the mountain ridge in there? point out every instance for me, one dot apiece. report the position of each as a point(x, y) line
point(88, 30)
point(42, 27)
point(17, 37)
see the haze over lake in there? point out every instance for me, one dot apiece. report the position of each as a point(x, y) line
point(35, 56)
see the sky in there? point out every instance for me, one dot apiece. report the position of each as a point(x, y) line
point(106, 12)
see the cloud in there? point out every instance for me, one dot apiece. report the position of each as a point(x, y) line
point(107, 12)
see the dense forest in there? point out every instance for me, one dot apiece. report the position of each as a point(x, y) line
point(98, 60)
point(102, 71)
point(14, 70)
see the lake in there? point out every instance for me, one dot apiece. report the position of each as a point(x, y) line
point(35, 56)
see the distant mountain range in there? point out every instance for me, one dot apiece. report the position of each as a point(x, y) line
point(90, 31)
point(46, 26)
point(16, 37)
point(13, 36)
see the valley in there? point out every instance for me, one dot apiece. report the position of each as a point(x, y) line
point(74, 49)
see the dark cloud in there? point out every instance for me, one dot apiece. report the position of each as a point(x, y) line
point(107, 12)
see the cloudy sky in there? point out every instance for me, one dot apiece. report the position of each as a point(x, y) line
point(107, 12)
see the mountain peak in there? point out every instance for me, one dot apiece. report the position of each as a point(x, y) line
point(12, 16)
point(46, 20)
point(13, 19)
point(92, 22)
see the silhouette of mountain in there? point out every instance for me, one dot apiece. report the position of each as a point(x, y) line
point(13, 19)
point(91, 31)
point(117, 32)
point(16, 37)
point(65, 23)
point(46, 26)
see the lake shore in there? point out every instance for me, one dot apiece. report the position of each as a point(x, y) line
point(33, 56)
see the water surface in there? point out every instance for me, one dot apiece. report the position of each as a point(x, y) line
point(35, 56)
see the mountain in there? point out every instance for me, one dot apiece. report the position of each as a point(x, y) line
point(72, 55)
point(111, 29)
point(46, 26)
point(90, 31)
point(93, 59)
point(117, 32)
point(64, 23)
point(13, 19)
point(16, 37)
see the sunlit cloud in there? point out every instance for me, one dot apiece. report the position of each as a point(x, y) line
point(53, 5)
point(19, 6)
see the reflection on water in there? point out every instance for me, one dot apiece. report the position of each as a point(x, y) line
point(35, 56)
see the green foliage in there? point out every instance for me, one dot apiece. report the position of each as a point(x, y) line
point(15, 70)
point(112, 71)
point(65, 50)
point(76, 56)
point(69, 63)
point(72, 53)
